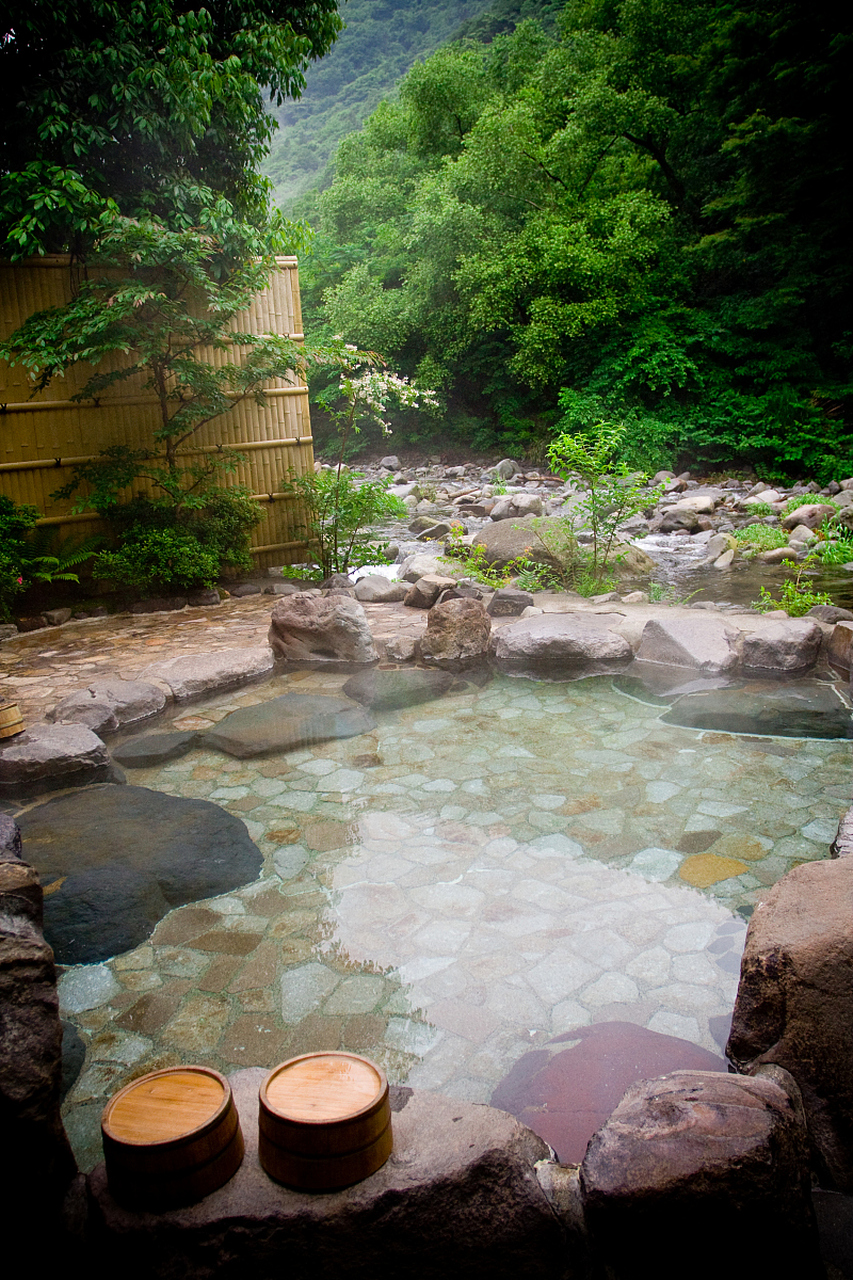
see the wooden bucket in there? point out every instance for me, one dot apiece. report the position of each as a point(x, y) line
point(324, 1121)
point(171, 1138)
point(11, 721)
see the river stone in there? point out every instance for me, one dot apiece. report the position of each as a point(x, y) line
point(200, 673)
point(563, 641)
point(38, 1160)
point(457, 631)
point(458, 1196)
point(421, 566)
point(388, 690)
point(46, 757)
point(812, 515)
point(782, 645)
point(694, 1158)
point(424, 593)
point(285, 724)
point(674, 520)
point(565, 1096)
point(504, 540)
point(794, 1003)
point(517, 505)
point(796, 709)
point(375, 589)
point(704, 644)
point(313, 628)
point(509, 602)
point(106, 705)
point(154, 749)
point(116, 859)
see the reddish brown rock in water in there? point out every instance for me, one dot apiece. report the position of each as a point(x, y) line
point(566, 1096)
point(312, 628)
point(795, 1003)
point(457, 631)
point(697, 1166)
point(36, 1156)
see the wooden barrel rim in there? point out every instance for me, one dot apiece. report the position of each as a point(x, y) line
point(191, 1134)
point(331, 1121)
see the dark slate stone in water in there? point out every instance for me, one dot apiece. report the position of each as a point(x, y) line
point(566, 1096)
point(657, 684)
point(115, 859)
point(286, 723)
point(146, 752)
point(799, 709)
point(388, 690)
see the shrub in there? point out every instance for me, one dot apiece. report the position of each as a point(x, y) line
point(336, 515)
point(155, 561)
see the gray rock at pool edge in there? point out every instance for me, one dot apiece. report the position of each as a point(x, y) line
point(782, 645)
point(389, 690)
point(457, 633)
point(106, 705)
point(704, 644)
point(200, 673)
point(47, 757)
point(154, 749)
point(563, 641)
point(316, 628)
point(117, 859)
point(285, 724)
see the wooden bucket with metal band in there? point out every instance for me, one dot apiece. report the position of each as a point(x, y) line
point(170, 1138)
point(11, 721)
point(324, 1121)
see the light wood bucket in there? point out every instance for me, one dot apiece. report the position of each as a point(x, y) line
point(170, 1138)
point(324, 1121)
point(11, 721)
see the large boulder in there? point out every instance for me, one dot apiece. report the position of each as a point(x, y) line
point(516, 506)
point(38, 1161)
point(117, 859)
point(106, 705)
point(504, 540)
point(312, 628)
point(457, 632)
point(782, 645)
point(47, 757)
point(285, 724)
point(695, 1160)
point(194, 675)
point(812, 515)
point(424, 593)
point(705, 644)
point(573, 641)
point(795, 999)
point(421, 565)
point(459, 1196)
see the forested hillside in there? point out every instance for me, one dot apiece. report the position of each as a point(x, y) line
point(641, 213)
point(381, 40)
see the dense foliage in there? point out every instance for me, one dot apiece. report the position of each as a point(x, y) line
point(643, 214)
point(380, 42)
point(135, 105)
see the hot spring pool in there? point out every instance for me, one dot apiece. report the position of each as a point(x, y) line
point(470, 878)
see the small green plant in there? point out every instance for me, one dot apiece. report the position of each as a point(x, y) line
point(336, 513)
point(796, 597)
point(836, 543)
point(613, 494)
point(472, 562)
point(667, 593)
point(155, 561)
point(760, 509)
point(499, 489)
point(531, 575)
point(806, 500)
point(755, 538)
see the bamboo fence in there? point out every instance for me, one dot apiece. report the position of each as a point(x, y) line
point(44, 435)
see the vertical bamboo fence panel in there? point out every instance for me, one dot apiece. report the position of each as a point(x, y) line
point(43, 436)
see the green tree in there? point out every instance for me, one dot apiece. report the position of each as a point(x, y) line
point(139, 104)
